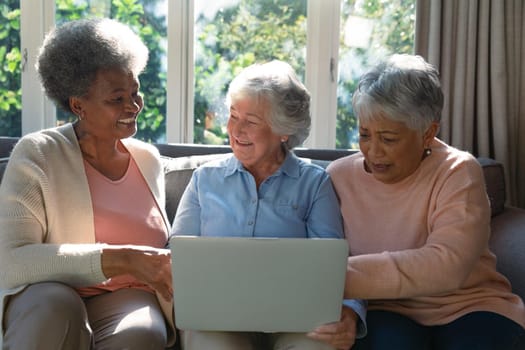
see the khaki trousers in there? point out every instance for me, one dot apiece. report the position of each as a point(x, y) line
point(53, 316)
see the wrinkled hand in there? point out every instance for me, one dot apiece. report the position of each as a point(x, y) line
point(340, 335)
point(149, 265)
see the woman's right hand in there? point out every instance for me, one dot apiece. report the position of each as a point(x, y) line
point(341, 334)
point(149, 265)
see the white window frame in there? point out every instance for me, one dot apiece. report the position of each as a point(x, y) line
point(37, 17)
point(322, 54)
point(179, 75)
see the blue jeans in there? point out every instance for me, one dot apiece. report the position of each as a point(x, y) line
point(474, 331)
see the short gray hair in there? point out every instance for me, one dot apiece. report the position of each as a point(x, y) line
point(72, 54)
point(289, 100)
point(404, 88)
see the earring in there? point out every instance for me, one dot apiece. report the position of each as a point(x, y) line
point(428, 151)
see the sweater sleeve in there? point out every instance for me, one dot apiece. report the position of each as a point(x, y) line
point(28, 251)
point(457, 215)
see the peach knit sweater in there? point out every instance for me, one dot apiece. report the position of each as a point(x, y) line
point(420, 247)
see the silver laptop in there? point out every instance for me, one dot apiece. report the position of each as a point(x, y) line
point(257, 284)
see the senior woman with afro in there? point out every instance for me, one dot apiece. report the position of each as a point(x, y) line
point(264, 190)
point(82, 206)
point(417, 220)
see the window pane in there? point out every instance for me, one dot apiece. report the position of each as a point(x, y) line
point(370, 30)
point(10, 72)
point(232, 34)
point(148, 19)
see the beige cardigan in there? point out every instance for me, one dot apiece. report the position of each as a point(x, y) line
point(46, 214)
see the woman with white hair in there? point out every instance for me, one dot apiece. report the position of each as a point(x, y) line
point(264, 190)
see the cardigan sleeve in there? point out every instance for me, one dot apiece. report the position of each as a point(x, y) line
point(30, 251)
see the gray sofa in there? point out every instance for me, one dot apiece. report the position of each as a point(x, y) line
point(508, 223)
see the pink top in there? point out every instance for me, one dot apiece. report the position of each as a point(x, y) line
point(125, 212)
point(420, 246)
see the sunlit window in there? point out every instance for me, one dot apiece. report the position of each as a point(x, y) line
point(224, 36)
point(232, 34)
point(148, 19)
point(370, 30)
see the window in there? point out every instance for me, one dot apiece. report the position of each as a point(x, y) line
point(148, 19)
point(197, 47)
point(230, 35)
point(369, 30)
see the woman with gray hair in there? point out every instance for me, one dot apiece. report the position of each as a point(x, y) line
point(417, 220)
point(269, 116)
point(82, 245)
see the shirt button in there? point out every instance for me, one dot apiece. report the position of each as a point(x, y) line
point(250, 222)
point(254, 201)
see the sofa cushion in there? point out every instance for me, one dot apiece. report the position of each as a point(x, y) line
point(176, 182)
point(6, 145)
point(507, 241)
point(321, 163)
point(495, 184)
point(177, 174)
point(3, 164)
point(187, 162)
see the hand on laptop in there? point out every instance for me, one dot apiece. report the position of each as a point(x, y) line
point(149, 265)
point(341, 335)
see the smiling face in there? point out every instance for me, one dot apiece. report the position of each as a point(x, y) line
point(392, 151)
point(251, 137)
point(110, 108)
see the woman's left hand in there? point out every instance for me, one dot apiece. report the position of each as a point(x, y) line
point(341, 334)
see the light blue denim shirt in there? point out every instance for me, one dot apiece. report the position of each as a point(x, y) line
point(298, 200)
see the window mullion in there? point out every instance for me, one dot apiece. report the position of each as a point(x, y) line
point(36, 19)
point(321, 70)
point(179, 84)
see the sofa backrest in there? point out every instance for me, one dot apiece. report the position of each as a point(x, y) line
point(180, 160)
point(178, 171)
point(6, 145)
point(176, 150)
point(495, 184)
point(3, 164)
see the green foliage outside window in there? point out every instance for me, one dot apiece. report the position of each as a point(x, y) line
point(151, 27)
point(140, 15)
point(238, 36)
point(393, 32)
point(10, 60)
point(261, 30)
